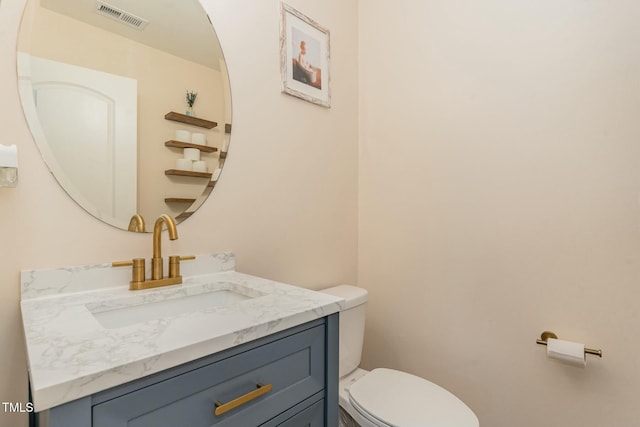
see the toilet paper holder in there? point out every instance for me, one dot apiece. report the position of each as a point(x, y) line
point(548, 334)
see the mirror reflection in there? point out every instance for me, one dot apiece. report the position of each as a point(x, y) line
point(128, 102)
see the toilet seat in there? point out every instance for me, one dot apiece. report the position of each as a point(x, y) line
point(391, 398)
point(371, 420)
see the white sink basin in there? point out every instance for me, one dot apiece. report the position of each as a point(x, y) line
point(118, 317)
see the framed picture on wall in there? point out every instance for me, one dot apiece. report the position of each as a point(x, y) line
point(304, 57)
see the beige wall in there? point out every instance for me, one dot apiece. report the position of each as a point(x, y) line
point(286, 203)
point(499, 182)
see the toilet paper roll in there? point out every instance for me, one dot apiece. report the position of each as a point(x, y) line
point(200, 166)
point(198, 138)
point(183, 135)
point(184, 164)
point(9, 156)
point(225, 143)
point(571, 353)
point(192, 154)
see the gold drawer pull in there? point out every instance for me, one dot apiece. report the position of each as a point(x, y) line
point(221, 408)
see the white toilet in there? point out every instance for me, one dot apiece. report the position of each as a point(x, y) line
point(386, 397)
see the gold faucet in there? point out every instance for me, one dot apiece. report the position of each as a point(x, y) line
point(138, 280)
point(157, 261)
point(136, 224)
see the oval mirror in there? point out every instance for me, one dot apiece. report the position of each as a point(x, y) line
point(128, 102)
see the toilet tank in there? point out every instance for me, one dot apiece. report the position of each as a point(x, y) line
point(352, 318)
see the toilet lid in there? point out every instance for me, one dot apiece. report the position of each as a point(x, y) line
point(399, 399)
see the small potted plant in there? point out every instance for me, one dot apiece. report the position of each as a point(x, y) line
point(191, 99)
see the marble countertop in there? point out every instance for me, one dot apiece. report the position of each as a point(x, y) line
point(72, 355)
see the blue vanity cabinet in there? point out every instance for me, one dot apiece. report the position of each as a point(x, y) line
point(288, 379)
point(311, 416)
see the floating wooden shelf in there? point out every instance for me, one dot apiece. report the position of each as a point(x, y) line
point(184, 215)
point(194, 121)
point(180, 144)
point(190, 120)
point(178, 200)
point(178, 172)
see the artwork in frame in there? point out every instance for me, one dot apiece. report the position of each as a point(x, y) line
point(304, 57)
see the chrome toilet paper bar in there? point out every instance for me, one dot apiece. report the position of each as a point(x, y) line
point(548, 334)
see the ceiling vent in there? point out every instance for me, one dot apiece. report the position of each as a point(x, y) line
point(120, 15)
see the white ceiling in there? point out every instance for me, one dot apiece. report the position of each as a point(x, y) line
point(179, 27)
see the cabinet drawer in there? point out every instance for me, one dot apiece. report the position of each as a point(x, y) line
point(293, 366)
point(311, 416)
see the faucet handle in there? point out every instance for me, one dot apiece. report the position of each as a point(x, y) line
point(137, 272)
point(174, 264)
